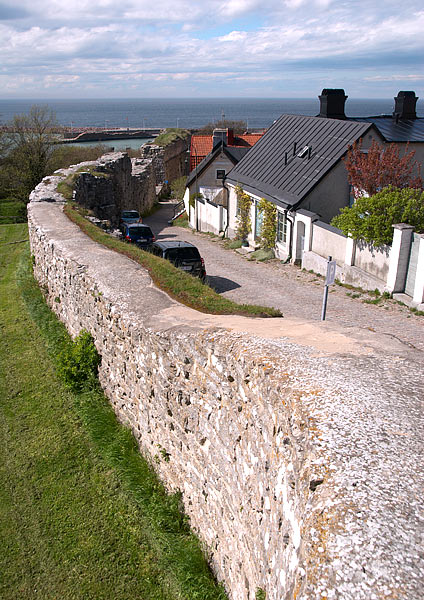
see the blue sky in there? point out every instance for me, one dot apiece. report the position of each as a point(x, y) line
point(210, 48)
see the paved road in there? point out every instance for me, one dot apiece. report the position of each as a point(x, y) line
point(296, 293)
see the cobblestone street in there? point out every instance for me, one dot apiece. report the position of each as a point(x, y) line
point(296, 293)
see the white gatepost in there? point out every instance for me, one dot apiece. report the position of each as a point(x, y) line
point(399, 257)
point(350, 251)
point(418, 297)
point(303, 223)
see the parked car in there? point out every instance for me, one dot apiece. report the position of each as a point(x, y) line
point(130, 216)
point(137, 233)
point(183, 255)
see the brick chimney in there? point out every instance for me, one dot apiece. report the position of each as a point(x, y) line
point(405, 106)
point(218, 136)
point(332, 104)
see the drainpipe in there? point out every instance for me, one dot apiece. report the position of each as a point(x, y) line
point(291, 221)
point(224, 187)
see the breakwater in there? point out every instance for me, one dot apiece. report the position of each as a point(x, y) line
point(92, 134)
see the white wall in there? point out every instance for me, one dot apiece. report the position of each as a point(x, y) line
point(328, 241)
point(372, 260)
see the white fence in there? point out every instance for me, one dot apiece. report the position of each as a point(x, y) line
point(386, 268)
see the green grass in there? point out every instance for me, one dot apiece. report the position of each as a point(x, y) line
point(181, 221)
point(183, 287)
point(170, 135)
point(82, 516)
point(375, 301)
point(12, 211)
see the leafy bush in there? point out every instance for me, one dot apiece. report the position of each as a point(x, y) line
point(262, 255)
point(371, 218)
point(178, 187)
point(78, 363)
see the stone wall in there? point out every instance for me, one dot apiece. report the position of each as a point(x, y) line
point(176, 159)
point(169, 162)
point(123, 183)
point(272, 430)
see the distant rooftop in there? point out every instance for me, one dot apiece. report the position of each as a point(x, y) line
point(202, 145)
point(392, 130)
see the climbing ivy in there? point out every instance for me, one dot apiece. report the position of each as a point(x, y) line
point(269, 223)
point(244, 222)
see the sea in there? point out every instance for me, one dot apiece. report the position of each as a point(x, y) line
point(188, 113)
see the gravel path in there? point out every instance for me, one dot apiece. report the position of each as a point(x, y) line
point(296, 293)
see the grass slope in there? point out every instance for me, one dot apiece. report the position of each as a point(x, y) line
point(179, 285)
point(81, 514)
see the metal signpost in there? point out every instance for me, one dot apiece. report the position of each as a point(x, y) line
point(329, 280)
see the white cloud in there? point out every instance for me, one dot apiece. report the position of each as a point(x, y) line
point(175, 40)
point(398, 77)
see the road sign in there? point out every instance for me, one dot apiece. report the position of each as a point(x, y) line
point(329, 280)
point(331, 272)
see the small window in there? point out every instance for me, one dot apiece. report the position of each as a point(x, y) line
point(281, 227)
point(303, 152)
point(220, 173)
point(259, 219)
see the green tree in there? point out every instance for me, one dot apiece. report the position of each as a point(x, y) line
point(381, 166)
point(236, 126)
point(244, 221)
point(31, 140)
point(269, 223)
point(178, 187)
point(371, 218)
point(64, 155)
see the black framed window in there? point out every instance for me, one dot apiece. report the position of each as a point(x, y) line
point(220, 173)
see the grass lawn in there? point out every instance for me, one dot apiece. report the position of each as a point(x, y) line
point(81, 514)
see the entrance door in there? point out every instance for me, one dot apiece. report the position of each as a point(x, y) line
point(300, 242)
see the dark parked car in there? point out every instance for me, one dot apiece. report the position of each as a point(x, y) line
point(137, 233)
point(183, 255)
point(130, 216)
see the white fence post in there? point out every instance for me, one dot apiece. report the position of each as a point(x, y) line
point(418, 297)
point(399, 257)
point(350, 251)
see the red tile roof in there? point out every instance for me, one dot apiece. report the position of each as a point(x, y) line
point(201, 145)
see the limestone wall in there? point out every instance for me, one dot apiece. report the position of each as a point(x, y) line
point(169, 162)
point(271, 429)
point(123, 183)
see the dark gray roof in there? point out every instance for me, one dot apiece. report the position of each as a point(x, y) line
point(404, 130)
point(264, 172)
point(233, 153)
